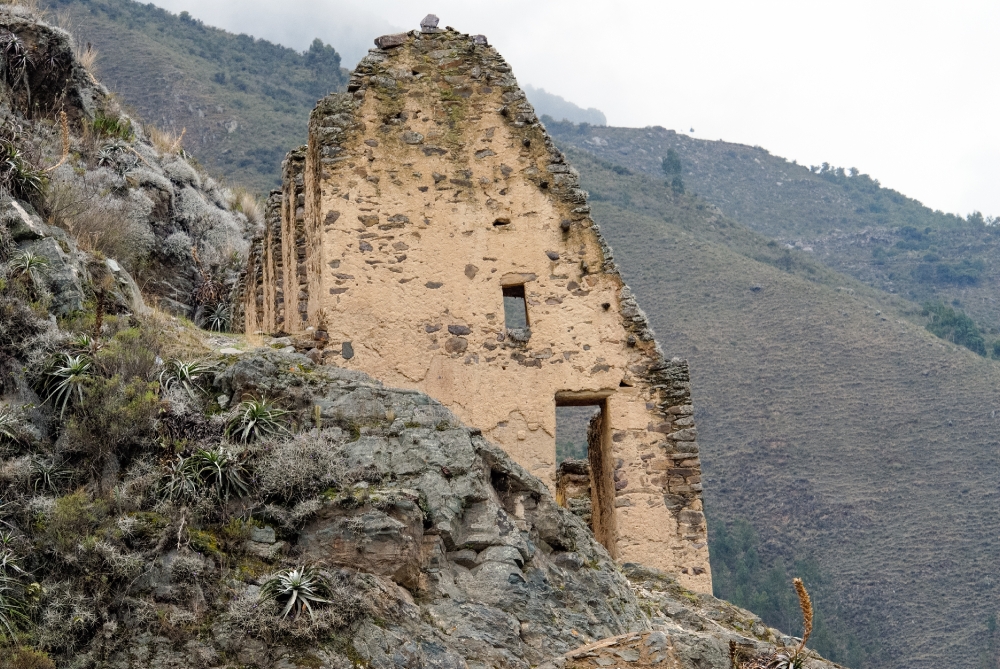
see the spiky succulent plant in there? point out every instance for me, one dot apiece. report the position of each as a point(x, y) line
point(299, 589)
point(255, 418)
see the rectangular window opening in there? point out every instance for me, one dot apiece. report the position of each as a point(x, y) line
point(585, 473)
point(515, 307)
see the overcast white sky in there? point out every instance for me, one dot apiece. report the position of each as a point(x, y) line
point(906, 90)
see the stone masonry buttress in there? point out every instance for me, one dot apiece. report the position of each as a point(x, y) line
point(428, 200)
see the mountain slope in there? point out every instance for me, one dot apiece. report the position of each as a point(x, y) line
point(844, 435)
point(243, 102)
point(157, 511)
point(828, 432)
point(850, 223)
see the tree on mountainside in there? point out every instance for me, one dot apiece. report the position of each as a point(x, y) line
point(955, 327)
point(742, 575)
point(671, 164)
point(324, 61)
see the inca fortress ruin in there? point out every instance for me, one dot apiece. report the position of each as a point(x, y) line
point(431, 235)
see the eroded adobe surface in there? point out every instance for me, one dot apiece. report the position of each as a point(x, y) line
point(427, 194)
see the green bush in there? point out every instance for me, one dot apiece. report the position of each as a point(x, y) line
point(130, 354)
point(744, 576)
point(71, 519)
point(26, 658)
point(114, 418)
point(671, 163)
point(118, 127)
point(955, 327)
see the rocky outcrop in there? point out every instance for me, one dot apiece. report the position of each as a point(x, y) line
point(504, 576)
point(491, 571)
point(68, 273)
point(109, 185)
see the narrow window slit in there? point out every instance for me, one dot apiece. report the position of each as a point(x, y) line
point(515, 307)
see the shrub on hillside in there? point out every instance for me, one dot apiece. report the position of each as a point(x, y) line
point(116, 226)
point(26, 658)
point(955, 326)
point(115, 418)
point(301, 467)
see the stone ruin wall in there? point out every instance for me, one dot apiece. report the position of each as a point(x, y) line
point(423, 192)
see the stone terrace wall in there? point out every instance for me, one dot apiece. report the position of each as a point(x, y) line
point(428, 190)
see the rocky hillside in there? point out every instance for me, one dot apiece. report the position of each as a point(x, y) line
point(174, 498)
point(843, 218)
point(812, 395)
point(84, 182)
point(242, 101)
point(813, 385)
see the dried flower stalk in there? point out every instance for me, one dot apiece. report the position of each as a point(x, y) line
point(805, 603)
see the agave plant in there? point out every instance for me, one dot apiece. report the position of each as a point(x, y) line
point(47, 473)
point(218, 317)
point(785, 660)
point(186, 374)
point(8, 560)
point(65, 380)
point(221, 471)
point(16, 61)
point(30, 266)
point(13, 609)
point(181, 480)
point(255, 418)
point(299, 588)
point(17, 176)
point(10, 426)
point(84, 343)
point(7, 508)
point(118, 156)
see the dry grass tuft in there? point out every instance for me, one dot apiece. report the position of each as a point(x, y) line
point(33, 6)
point(87, 56)
point(64, 129)
point(106, 225)
point(244, 200)
point(253, 340)
point(165, 141)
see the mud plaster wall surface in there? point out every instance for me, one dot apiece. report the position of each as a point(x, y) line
point(405, 181)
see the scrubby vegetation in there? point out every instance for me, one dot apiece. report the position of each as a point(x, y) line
point(243, 101)
point(741, 576)
point(955, 326)
point(129, 464)
point(116, 468)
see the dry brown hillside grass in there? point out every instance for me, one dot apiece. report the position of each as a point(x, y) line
point(855, 438)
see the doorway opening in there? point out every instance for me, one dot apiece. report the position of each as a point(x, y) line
point(585, 472)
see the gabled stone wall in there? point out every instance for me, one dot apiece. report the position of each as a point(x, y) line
point(425, 194)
